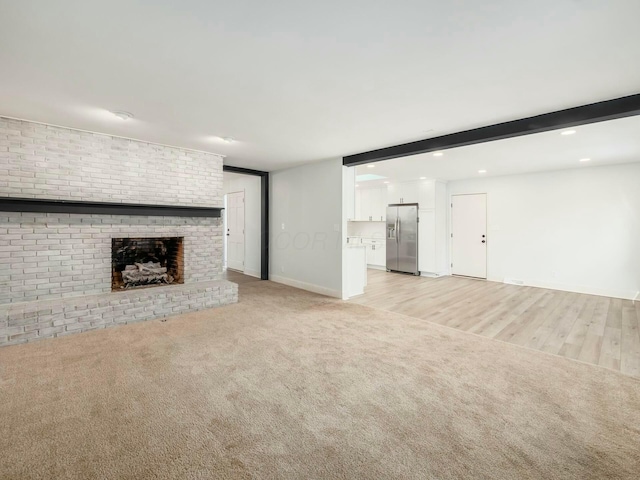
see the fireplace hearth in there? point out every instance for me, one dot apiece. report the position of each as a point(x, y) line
point(146, 262)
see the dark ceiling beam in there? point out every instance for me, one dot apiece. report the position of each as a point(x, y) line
point(244, 171)
point(571, 117)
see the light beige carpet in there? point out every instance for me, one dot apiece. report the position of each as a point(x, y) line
point(292, 385)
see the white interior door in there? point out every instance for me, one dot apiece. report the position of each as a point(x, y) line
point(225, 247)
point(235, 231)
point(469, 235)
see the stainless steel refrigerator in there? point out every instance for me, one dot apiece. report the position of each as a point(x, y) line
point(402, 238)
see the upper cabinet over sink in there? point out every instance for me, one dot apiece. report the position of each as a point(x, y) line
point(371, 204)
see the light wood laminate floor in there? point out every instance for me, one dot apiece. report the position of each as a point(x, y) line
point(599, 330)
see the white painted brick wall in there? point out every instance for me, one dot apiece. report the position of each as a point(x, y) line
point(41, 161)
point(26, 322)
point(44, 256)
point(51, 265)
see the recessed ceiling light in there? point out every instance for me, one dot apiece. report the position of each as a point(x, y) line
point(371, 165)
point(423, 178)
point(567, 132)
point(386, 182)
point(357, 185)
point(220, 139)
point(122, 115)
point(585, 159)
point(438, 154)
point(482, 171)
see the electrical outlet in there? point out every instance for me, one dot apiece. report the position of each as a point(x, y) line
point(282, 269)
point(283, 226)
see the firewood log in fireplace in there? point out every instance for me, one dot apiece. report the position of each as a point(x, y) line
point(145, 274)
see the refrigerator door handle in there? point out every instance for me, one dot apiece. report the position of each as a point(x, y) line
point(398, 230)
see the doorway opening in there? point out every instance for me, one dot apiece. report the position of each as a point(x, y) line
point(246, 228)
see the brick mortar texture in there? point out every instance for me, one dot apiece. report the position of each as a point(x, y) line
point(26, 322)
point(45, 256)
point(63, 257)
point(43, 161)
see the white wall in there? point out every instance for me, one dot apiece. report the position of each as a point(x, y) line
point(250, 185)
point(576, 230)
point(307, 252)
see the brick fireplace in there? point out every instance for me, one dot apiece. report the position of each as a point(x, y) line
point(146, 262)
point(57, 271)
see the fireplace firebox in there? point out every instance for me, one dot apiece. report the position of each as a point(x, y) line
point(146, 262)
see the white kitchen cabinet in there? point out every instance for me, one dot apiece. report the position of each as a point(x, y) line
point(373, 205)
point(379, 255)
point(393, 193)
point(432, 233)
point(427, 241)
point(365, 212)
point(426, 194)
point(403, 192)
point(370, 253)
point(370, 204)
point(376, 252)
point(362, 204)
point(379, 204)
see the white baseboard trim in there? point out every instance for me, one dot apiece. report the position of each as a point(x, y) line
point(602, 292)
point(433, 274)
point(310, 287)
point(346, 297)
point(252, 273)
point(376, 267)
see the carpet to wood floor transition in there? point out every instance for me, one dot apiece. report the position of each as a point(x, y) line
point(288, 384)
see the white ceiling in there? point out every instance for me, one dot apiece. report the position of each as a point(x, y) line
point(296, 81)
point(605, 143)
